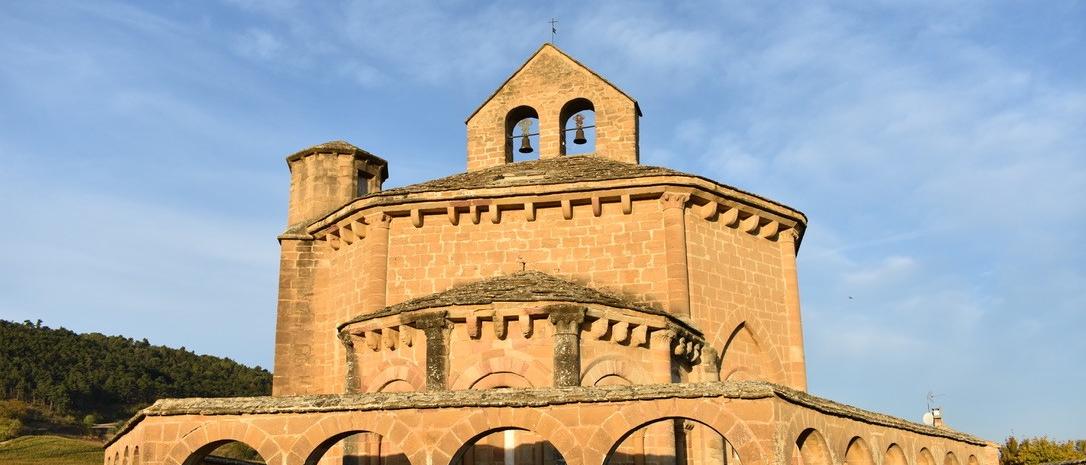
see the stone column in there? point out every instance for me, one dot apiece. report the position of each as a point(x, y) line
point(661, 435)
point(437, 328)
point(675, 266)
point(351, 384)
point(376, 267)
point(567, 321)
point(795, 365)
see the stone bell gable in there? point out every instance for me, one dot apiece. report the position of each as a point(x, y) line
point(552, 87)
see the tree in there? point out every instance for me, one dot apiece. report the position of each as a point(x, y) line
point(1035, 451)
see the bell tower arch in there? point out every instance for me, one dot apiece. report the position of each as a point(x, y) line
point(554, 86)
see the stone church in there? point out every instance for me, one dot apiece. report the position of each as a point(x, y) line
point(576, 308)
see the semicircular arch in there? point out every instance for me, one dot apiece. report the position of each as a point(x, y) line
point(397, 370)
point(209, 436)
point(627, 419)
point(858, 452)
point(612, 365)
point(487, 363)
point(330, 429)
point(481, 423)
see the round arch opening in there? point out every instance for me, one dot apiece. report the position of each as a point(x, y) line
point(895, 456)
point(925, 457)
point(673, 441)
point(226, 449)
point(521, 134)
point(356, 447)
point(578, 127)
point(508, 446)
point(811, 449)
point(951, 459)
point(858, 453)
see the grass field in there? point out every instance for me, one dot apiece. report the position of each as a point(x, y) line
point(52, 450)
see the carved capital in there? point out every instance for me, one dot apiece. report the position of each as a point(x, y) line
point(566, 318)
point(788, 235)
point(672, 200)
point(379, 220)
point(430, 322)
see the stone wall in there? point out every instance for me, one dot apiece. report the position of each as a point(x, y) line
point(765, 424)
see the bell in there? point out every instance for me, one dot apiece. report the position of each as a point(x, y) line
point(525, 144)
point(578, 137)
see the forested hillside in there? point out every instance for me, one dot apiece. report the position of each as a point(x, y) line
point(110, 377)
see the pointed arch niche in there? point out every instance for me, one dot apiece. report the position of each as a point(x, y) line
point(582, 108)
point(516, 139)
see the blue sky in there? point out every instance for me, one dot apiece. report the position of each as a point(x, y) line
point(939, 149)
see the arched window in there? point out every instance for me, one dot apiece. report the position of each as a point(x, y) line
point(521, 134)
point(578, 118)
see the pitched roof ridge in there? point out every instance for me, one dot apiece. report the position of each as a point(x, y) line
point(541, 48)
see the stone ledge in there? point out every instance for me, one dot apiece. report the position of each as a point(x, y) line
point(525, 398)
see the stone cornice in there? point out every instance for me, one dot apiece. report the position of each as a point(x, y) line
point(537, 397)
point(743, 213)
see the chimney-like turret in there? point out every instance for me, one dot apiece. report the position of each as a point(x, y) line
point(326, 176)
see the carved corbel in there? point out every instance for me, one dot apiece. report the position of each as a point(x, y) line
point(597, 206)
point(391, 337)
point(472, 326)
point(346, 235)
point(709, 210)
point(680, 347)
point(769, 230)
point(525, 322)
point(750, 225)
point(621, 332)
point(373, 340)
point(406, 337)
point(567, 209)
point(416, 217)
point(529, 211)
point(454, 216)
point(639, 335)
point(500, 326)
point(495, 214)
point(599, 328)
point(473, 211)
point(332, 240)
point(627, 204)
point(730, 218)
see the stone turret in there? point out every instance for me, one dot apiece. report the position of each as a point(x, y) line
point(328, 175)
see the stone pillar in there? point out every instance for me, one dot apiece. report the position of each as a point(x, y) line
point(437, 328)
point(295, 325)
point(351, 383)
point(567, 321)
point(675, 266)
point(376, 267)
point(709, 368)
point(662, 366)
point(795, 364)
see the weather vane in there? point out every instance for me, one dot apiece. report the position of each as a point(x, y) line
point(554, 28)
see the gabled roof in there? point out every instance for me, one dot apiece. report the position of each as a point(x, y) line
point(550, 46)
point(523, 286)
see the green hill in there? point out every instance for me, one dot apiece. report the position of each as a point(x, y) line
point(51, 450)
point(97, 378)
